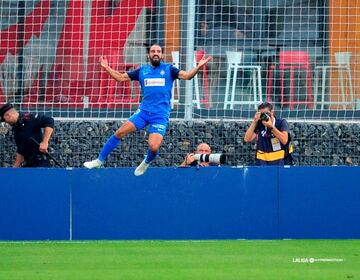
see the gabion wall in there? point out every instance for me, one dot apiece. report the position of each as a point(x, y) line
point(76, 142)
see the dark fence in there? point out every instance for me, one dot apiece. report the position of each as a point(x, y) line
point(76, 142)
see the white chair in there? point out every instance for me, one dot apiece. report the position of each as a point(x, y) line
point(342, 60)
point(234, 63)
point(176, 62)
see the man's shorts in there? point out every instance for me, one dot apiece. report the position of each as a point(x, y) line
point(157, 122)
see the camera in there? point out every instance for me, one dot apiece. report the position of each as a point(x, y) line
point(264, 116)
point(213, 158)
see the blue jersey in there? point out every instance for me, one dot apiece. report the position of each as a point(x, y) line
point(156, 85)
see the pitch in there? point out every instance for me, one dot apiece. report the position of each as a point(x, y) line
point(236, 259)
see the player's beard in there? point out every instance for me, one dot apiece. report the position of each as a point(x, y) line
point(156, 62)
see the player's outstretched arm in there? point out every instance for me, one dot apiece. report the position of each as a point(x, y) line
point(120, 77)
point(188, 75)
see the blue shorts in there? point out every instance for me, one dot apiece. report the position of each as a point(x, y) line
point(157, 122)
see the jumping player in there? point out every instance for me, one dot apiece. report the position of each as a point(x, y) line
point(156, 81)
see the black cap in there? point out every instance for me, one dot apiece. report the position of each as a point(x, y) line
point(3, 109)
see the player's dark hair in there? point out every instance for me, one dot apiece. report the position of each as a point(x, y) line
point(162, 49)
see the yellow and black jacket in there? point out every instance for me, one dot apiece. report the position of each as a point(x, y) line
point(265, 155)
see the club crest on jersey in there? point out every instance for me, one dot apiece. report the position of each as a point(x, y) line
point(162, 72)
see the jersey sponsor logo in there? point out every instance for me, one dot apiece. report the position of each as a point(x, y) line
point(154, 82)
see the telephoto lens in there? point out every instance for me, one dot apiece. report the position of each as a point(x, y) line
point(213, 158)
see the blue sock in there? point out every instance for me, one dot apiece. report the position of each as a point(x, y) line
point(109, 146)
point(150, 156)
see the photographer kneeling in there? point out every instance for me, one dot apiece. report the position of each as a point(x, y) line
point(273, 145)
point(203, 157)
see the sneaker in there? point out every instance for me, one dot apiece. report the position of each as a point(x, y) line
point(96, 163)
point(141, 169)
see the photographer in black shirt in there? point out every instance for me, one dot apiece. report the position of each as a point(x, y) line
point(27, 129)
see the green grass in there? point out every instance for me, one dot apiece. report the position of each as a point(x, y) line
point(138, 260)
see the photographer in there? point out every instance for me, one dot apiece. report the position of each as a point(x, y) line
point(31, 142)
point(201, 149)
point(273, 145)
